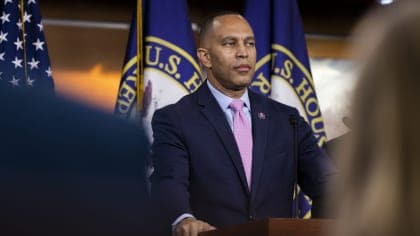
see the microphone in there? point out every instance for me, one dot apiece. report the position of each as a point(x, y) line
point(293, 121)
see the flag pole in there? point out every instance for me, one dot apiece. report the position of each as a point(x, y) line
point(22, 12)
point(140, 74)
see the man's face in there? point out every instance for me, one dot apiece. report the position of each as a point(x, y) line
point(230, 45)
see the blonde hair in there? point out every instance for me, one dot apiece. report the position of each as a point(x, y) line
point(379, 189)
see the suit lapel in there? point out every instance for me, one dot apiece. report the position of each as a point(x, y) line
point(214, 114)
point(260, 118)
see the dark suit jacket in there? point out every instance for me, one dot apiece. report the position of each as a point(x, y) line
point(198, 167)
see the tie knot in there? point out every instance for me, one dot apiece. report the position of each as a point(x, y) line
point(236, 105)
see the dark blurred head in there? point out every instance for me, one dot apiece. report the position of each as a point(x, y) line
point(68, 170)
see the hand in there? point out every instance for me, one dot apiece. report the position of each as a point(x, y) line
point(191, 227)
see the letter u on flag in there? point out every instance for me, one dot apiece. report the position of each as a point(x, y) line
point(282, 70)
point(160, 64)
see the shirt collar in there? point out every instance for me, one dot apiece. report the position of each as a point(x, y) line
point(224, 101)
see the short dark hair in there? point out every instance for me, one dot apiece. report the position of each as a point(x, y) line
point(208, 22)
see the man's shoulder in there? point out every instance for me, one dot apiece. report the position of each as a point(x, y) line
point(182, 106)
point(282, 107)
point(275, 105)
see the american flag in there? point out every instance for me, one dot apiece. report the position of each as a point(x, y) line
point(24, 60)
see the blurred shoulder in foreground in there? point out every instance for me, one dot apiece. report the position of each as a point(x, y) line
point(66, 169)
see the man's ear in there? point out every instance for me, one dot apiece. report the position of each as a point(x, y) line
point(204, 57)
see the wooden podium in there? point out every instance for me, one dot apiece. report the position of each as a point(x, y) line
point(275, 227)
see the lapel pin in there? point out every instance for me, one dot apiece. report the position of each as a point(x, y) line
point(261, 116)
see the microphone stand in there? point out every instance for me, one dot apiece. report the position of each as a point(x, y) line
point(293, 122)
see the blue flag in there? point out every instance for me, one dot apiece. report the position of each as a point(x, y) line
point(168, 65)
point(24, 60)
point(127, 94)
point(282, 70)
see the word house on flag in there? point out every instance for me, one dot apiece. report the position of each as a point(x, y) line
point(24, 60)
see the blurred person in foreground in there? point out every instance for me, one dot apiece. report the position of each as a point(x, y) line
point(66, 169)
point(379, 190)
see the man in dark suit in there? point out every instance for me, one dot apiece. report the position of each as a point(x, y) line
point(224, 155)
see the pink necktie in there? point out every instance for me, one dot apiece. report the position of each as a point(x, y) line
point(243, 135)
